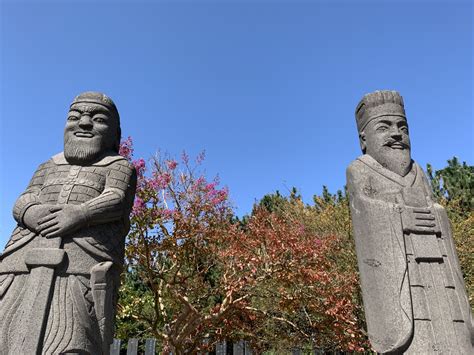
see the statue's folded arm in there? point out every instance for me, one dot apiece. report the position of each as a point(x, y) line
point(31, 195)
point(113, 203)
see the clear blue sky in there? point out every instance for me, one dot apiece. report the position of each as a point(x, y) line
point(268, 89)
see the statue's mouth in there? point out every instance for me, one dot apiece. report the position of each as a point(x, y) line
point(397, 145)
point(84, 134)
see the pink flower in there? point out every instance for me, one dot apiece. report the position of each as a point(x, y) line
point(139, 206)
point(126, 148)
point(197, 184)
point(168, 214)
point(139, 166)
point(152, 184)
point(219, 196)
point(211, 186)
point(171, 164)
point(160, 181)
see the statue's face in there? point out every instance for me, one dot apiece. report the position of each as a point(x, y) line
point(387, 132)
point(91, 129)
point(386, 140)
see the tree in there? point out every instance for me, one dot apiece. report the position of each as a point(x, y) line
point(300, 294)
point(322, 238)
point(454, 183)
point(178, 225)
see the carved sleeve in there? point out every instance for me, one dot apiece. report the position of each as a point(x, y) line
point(381, 259)
point(116, 200)
point(31, 195)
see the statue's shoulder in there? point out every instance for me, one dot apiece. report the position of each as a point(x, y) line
point(47, 164)
point(355, 164)
point(58, 159)
point(119, 170)
point(45, 167)
point(356, 167)
point(113, 160)
point(121, 173)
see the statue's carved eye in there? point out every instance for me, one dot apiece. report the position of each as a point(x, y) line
point(382, 128)
point(99, 119)
point(72, 118)
point(404, 129)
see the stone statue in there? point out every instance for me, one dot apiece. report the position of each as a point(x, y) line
point(59, 272)
point(412, 286)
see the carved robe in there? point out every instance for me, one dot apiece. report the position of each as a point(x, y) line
point(412, 286)
point(78, 317)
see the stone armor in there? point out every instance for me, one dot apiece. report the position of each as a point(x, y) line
point(86, 263)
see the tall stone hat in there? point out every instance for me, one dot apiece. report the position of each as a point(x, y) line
point(97, 98)
point(378, 104)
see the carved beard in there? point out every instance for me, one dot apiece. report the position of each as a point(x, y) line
point(396, 160)
point(82, 151)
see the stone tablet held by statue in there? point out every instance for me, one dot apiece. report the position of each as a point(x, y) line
point(412, 286)
point(59, 272)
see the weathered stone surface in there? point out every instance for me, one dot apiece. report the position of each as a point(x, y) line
point(413, 291)
point(59, 272)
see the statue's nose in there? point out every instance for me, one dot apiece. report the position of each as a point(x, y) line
point(85, 121)
point(395, 132)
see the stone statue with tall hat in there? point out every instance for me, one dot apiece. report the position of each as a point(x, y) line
point(412, 285)
point(59, 272)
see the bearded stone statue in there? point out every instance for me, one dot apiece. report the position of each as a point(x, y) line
point(59, 272)
point(412, 285)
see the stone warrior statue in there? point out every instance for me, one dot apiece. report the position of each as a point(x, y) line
point(412, 286)
point(59, 272)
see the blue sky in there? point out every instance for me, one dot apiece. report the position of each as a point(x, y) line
point(267, 88)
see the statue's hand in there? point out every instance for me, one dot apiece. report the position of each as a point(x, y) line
point(33, 214)
point(420, 220)
point(62, 220)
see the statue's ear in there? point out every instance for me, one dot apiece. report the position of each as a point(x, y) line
point(363, 144)
point(118, 139)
